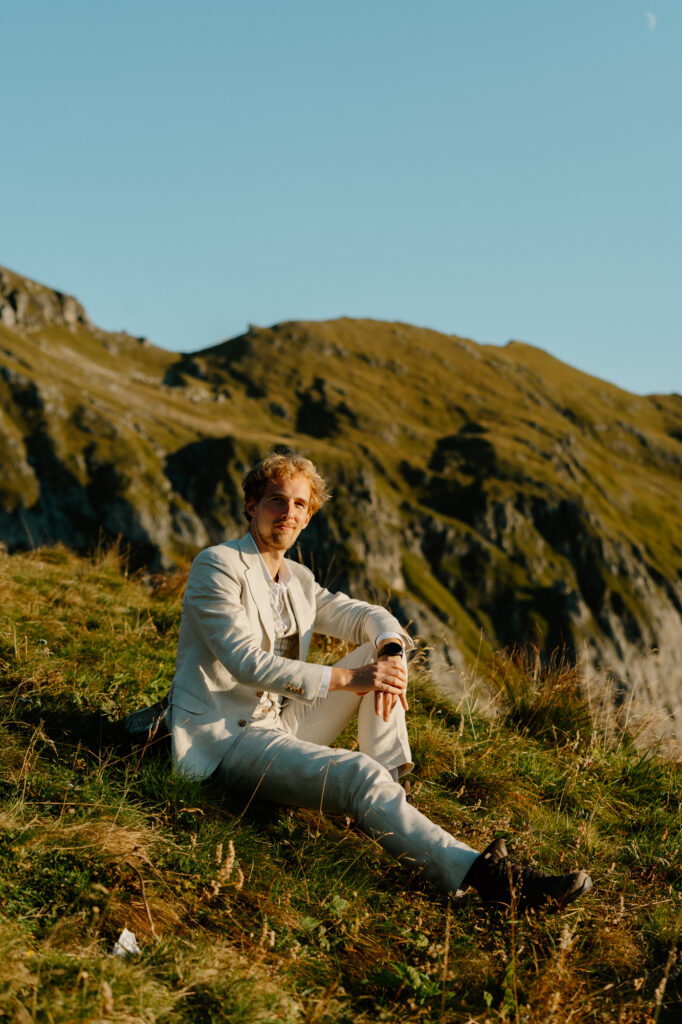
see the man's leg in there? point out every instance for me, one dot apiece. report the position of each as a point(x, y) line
point(322, 721)
point(273, 765)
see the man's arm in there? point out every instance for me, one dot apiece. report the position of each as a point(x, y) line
point(358, 622)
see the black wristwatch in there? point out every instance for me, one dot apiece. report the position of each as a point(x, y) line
point(390, 650)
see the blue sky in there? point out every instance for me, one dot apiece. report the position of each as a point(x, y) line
point(496, 169)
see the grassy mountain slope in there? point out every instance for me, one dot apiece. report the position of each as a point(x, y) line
point(263, 915)
point(491, 494)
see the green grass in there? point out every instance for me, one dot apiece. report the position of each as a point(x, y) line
point(275, 915)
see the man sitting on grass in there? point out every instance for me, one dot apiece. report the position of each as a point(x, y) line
point(246, 707)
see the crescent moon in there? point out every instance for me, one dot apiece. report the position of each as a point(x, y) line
point(651, 21)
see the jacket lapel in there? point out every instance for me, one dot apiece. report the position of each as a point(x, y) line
point(257, 585)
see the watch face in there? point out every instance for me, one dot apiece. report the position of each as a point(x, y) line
point(390, 650)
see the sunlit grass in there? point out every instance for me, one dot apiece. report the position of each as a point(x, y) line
point(276, 915)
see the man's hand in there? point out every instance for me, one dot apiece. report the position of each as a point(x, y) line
point(386, 678)
point(385, 702)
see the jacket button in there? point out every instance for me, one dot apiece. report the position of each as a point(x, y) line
point(242, 722)
point(259, 693)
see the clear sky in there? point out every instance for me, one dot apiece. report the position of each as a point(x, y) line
point(496, 168)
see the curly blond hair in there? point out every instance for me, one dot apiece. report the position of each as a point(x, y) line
point(284, 466)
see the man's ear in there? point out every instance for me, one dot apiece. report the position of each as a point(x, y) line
point(250, 506)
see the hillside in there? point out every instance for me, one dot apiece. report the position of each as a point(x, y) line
point(263, 915)
point(494, 495)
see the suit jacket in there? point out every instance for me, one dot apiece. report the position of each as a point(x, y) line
point(225, 661)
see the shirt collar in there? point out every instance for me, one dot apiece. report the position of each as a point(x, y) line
point(284, 573)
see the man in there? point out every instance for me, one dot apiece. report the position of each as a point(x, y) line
point(247, 708)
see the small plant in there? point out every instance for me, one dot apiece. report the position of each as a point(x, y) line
point(539, 696)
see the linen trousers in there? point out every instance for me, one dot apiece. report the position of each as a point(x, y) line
point(288, 760)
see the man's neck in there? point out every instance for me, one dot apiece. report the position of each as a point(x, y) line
point(273, 558)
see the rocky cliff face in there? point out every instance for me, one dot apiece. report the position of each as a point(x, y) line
point(27, 305)
point(493, 495)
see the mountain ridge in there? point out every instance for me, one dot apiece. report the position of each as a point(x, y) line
point(494, 495)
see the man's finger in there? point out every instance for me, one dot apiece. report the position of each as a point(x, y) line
point(396, 673)
point(383, 704)
point(387, 687)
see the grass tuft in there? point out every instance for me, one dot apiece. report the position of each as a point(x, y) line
point(541, 697)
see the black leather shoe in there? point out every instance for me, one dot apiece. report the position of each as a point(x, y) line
point(500, 880)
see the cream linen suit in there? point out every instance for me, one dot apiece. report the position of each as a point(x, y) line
point(224, 717)
point(224, 666)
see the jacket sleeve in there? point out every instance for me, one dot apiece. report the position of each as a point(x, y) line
point(214, 605)
point(357, 622)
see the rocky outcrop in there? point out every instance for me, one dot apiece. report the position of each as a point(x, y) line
point(27, 305)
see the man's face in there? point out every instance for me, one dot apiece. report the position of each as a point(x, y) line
point(280, 515)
